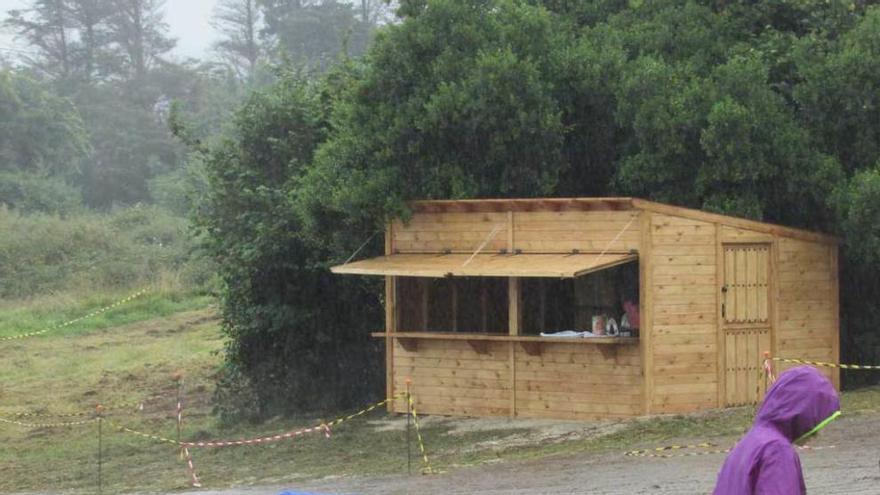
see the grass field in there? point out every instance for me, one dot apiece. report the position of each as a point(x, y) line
point(132, 353)
point(36, 314)
point(124, 356)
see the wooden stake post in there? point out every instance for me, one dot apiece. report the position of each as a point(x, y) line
point(408, 415)
point(99, 412)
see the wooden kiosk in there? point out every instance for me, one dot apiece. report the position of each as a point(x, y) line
point(472, 285)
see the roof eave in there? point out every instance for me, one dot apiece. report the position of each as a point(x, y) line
point(764, 227)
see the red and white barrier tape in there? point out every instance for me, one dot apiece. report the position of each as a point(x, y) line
point(768, 369)
point(325, 427)
point(196, 483)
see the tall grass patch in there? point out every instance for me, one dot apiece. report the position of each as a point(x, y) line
point(85, 252)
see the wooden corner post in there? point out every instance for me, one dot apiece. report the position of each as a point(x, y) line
point(514, 320)
point(390, 321)
point(720, 338)
point(514, 294)
point(835, 301)
point(646, 316)
point(514, 315)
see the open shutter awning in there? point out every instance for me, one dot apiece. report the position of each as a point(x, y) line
point(485, 265)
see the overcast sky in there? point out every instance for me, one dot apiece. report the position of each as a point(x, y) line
point(188, 21)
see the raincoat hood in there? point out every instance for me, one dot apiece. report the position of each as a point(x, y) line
point(765, 461)
point(800, 400)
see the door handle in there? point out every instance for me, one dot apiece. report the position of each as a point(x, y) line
point(724, 301)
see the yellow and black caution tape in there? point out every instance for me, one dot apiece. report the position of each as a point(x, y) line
point(76, 320)
point(827, 365)
point(427, 469)
point(683, 454)
point(134, 405)
point(137, 405)
point(112, 408)
point(821, 447)
point(50, 414)
point(365, 410)
point(48, 425)
point(142, 434)
point(659, 451)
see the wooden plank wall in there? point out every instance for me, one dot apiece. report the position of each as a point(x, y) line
point(455, 232)
point(534, 232)
point(684, 321)
point(450, 378)
point(564, 231)
point(579, 382)
point(582, 382)
point(565, 381)
point(808, 325)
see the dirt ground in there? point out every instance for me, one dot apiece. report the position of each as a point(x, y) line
point(846, 463)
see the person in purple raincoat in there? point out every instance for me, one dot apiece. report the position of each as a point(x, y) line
point(765, 462)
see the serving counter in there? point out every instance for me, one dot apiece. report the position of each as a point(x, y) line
point(475, 374)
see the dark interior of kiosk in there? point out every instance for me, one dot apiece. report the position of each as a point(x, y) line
point(480, 304)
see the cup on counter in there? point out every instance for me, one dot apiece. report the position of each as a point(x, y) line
point(599, 322)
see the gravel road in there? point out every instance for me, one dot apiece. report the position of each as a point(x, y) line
point(849, 467)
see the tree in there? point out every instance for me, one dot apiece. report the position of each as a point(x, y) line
point(724, 142)
point(839, 97)
point(238, 21)
point(46, 25)
point(128, 126)
point(374, 12)
point(89, 17)
point(313, 32)
point(858, 202)
point(40, 132)
point(138, 29)
point(458, 101)
point(84, 39)
point(291, 323)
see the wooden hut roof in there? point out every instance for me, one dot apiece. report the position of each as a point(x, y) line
point(612, 204)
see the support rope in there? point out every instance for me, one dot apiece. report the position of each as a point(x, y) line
point(483, 244)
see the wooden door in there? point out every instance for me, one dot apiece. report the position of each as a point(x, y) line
point(746, 322)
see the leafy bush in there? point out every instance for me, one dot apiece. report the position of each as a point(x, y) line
point(28, 193)
point(180, 190)
point(299, 336)
point(43, 253)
